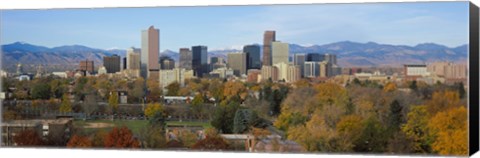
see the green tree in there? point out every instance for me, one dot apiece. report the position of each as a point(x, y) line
point(41, 91)
point(152, 138)
point(224, 115)
point(416, 129)
point(66, 105)
point(395, 117)
point(372, 138)
point(243, 120)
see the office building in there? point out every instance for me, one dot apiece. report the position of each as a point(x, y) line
point(311, 69)
point(216, 60)
point(325, 69)
point(268, 38)
point(86, 65)
point(315, 57)
point(279, 52)
point(185, 60)
point(238, 62)
point(299, 59)
point(112, 63)
point(253, 75)
point(269, 73)
point(331, 58)
point(293, 73)
point(414, 71)
point(124, 63)
point(168, 77)
point(166, 63)
point(150, 52)
point(133, 58)
point(253, 56)
point(222, 72)
point(282, 71)
point(199, 60)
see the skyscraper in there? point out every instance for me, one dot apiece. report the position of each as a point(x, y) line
point(133, 58)
point(166, 63)
point(124, 63)
point(199, 60)
point(150, 53)
point(311, 69)
point(279, 52)
point(299, 59)
point(185, 58)
point(86, 65)
point(268, 38)
point(238, 62)
point(253, 56)
point(315, 57)
point(331, 58)
point(112, 63)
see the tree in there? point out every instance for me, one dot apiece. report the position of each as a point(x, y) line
point(187, 138)
point(113, 101)
point(223, 117)
point(152, 137)
point(28, 138)
point(138, 90)
point(442, 101)
point(154, 91)
point(395, 117)
point(153, 108)
point(120, 138)
point(79, 142)
point(98, 138)
point(66, 105)
point(243, 120)
point(234, 89)
point(416, 129)
point(413, 85)
point(390, 87)
point(89, 104)
point(41, 91)
point(211, 143)
point(461, 89)
point(158, 120)
point(347, 129)
point(450, 130)
point(197, 100)
point(173, 89)
point(372, 138)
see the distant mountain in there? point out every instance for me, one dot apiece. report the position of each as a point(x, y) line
point(349, 54)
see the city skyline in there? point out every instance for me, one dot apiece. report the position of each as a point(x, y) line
point(214, 26)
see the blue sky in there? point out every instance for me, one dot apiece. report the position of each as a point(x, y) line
point(234, 26)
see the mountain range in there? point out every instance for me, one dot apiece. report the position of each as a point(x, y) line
point(349, 54)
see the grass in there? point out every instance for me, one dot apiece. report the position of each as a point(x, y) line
point(134, 125)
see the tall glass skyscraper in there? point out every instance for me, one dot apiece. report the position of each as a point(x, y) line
point(253, 56)
point(199, 60)
point(150, 52)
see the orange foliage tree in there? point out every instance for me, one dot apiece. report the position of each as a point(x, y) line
point(28, 138)
point(79, 142)
point(120, 138)
point(450, 128)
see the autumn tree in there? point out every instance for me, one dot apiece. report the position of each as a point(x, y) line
point(173, 89)
point(120, 138)
point(113, 101)
point(153, 108)
point(66, 105)
point(28, 138)
point(416, 129)
point(390, 87)
point(89, 105)
point(450, 130)
point(154, 90)
point(152, 137)
point(442, 101)
point(348, 130)
point(98, 138)
point(211, 143)
point(138, 90)
point(79, 142)
point(234, 89)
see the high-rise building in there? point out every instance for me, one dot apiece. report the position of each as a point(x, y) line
point(448, 70)
point(199, 60)
point(170, 76)
point(216, 60)
point(315, 57)
point(150, 53)
point(166, 63)
point(414, 71)
point(299, 59)
point(252, 75)
point(325, 69)
point(279, 52)
point(311, 69)
point(253, 56)
point(185, 58)
point(133, 58)
point(282, 71)
point(268, 38)
point(269, 73)
point(112, 63)
point(124, 63)
point(86, 65)
point(238, 62)
point(293, 73)
point(331, 58)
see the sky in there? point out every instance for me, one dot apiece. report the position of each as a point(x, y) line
point(226, 27)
